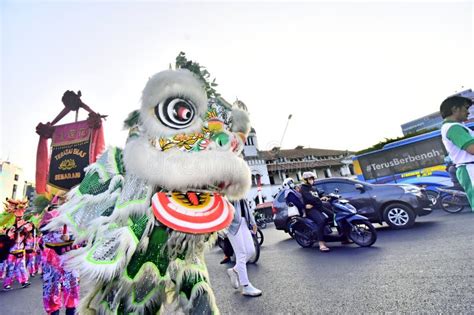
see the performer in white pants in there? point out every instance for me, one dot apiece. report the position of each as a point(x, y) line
point(244, 248)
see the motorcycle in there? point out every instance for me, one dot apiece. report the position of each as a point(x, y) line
point(452, 200)
point(260, 220)
point(349, 225)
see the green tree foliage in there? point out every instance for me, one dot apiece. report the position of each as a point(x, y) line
point(381, 144)
point(200, 71)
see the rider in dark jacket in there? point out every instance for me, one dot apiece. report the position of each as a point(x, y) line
point(314, 207)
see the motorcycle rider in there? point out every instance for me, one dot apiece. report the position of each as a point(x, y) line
point(292, 196)
point(314, 207)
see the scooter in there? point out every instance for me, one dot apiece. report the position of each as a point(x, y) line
point(349, 225)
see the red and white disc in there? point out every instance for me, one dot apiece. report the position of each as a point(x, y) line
point(191, 212)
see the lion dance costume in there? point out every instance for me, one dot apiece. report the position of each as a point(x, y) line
point(150, 210)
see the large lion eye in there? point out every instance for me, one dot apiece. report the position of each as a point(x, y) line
point(175, 113)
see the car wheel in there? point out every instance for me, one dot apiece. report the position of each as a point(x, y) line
point(399, 216)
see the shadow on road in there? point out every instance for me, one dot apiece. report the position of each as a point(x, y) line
point(421, 226)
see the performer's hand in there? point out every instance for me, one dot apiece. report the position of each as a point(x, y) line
point(65, 237)
point(309, 206)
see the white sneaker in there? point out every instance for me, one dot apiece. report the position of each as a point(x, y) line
point(234, 278)
point(250, 290)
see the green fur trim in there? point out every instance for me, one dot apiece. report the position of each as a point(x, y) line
point(118, 159)
point(131, 202)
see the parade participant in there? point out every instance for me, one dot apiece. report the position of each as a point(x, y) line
point(5, 244)
point(16, 265)
point(227, 249)
point(314, 207)
point(60, 284)
point(244, 247)
point(150, 210)
point(31, 246)
point(459, 141)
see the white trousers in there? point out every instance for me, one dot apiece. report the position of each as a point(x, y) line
point(244, 249)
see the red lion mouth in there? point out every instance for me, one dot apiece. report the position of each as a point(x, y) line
point(192, 212)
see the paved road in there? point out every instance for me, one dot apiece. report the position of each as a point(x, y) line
point(428, 269)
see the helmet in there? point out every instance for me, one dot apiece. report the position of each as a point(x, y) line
point(308, 175)
point(288, 183)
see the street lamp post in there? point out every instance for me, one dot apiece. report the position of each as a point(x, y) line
point(284, 131)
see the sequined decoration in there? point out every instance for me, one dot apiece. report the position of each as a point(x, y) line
point(134, 188)
point(93, 185)
point(83, 215)
point(145, 286)
point(106, 251)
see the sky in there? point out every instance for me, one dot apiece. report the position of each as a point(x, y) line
point(350, 73)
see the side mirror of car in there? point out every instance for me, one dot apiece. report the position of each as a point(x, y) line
point(359, 187)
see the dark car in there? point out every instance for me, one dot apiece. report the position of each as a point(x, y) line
point(396, 204)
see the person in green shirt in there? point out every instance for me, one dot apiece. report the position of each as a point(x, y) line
point(459, 141)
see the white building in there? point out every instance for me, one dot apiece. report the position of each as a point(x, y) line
point(259, 192)
point(12, 181)
point(270, 168)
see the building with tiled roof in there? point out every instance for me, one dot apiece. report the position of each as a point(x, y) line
point(270, 168)
point(323, 162)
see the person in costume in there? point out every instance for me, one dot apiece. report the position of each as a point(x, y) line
point(31, 246)
point(5, 244)
point(149, 211)
point(60, 284)
point(459, 141)
point(16, 261)
point(15, 264)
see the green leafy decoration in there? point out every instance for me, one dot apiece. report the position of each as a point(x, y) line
point(200, 71)
point(132, 119)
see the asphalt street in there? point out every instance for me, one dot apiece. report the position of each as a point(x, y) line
point(426, 269)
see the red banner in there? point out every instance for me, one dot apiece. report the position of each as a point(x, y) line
point(74, 146)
